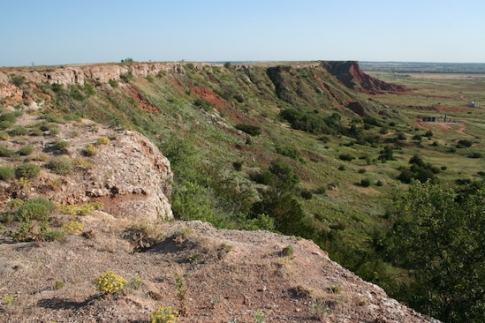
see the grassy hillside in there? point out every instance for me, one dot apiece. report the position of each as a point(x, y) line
point(287, 148)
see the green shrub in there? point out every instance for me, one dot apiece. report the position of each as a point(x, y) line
point(19, 131)
point(346, 157)
point(17, 80)
point(379, 183)
point(5, 151)
point(417, 138)
point(475, 155)
point(202, 103)
point(73, 133)
point(75, 93)
point(464, 143)
point(36, 132)
point(306, 194)
point(341, 167)
point(249, 129)
point(320, 190)
point(62, 145)
point(53, 118)
point(419, 170)
point(9, 117)
point(237, 165)
point(5, 125)
point(324, 139)
point(6, 173)
point(26, 150)
point(27, 170)
point(61, 165)
point(56, 87)
point(383, 131)
point(365, 182)
point(336, 289)
point(4, 135)
point(288, 251)
point(126, 76)
point(362, 170)
point(35, 209)
point(51, 235)
point(288, 151)
point(113, 83)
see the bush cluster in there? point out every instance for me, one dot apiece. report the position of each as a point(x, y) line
point(419, 170)
point(61, 165)
point(313, 123)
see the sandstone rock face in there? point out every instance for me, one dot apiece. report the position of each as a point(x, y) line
point(101, 73)
point(128, 174)
point(130, 177)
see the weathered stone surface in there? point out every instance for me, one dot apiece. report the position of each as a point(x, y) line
point(101, 73)
point(129, 176)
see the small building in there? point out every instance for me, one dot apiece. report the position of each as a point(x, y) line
point(429, 119)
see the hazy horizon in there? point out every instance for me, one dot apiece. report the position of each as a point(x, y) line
point(51, 32)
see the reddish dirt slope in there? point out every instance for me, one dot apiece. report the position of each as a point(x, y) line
point(350, 74)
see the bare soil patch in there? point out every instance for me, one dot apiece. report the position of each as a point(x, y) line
point(228, 275)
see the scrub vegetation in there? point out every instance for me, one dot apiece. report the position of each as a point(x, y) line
point(293, 150)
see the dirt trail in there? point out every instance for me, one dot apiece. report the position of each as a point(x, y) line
point(447, 126)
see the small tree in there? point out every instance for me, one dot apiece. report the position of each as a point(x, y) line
point(438, 236)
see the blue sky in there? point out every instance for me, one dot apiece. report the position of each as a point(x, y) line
point(51, 32)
